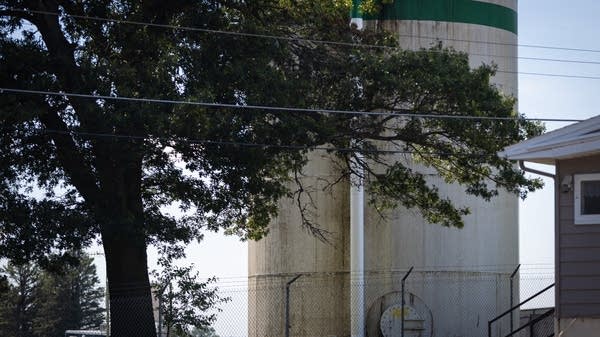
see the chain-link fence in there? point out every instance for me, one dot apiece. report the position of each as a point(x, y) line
point(532, 315)
point(437, 303)
point(441, 304)
point(539, 325)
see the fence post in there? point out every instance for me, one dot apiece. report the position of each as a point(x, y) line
point(531, 330)
point(511, 295)
point(287, 304)
point(107, 302)
point(403, 302)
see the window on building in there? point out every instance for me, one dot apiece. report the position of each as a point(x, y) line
point(587, 199)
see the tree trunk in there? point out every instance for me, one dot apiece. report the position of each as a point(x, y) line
point(131, 310)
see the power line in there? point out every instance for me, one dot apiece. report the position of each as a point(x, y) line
point(203, 141)
point(279, 37)
point(263, 145)
point(552, 75)
point(330, 42)
point(396, 113)
point(507, 44)
point(549, 59)
point(549, 75)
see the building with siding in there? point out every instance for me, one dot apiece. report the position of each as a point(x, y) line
point(575, 152)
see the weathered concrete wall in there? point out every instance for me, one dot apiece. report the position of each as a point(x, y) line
point(461, 273)
point(319, 299)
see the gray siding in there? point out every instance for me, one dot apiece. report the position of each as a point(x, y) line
point(577, 249)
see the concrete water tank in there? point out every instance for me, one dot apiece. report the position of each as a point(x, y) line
point(461, 275)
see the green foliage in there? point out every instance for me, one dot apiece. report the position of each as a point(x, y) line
point(69, 300)
point(18, 306)
point(39, 303)
point(187, 305)
point(203, 332)
point(108, 168)
point(222, 185)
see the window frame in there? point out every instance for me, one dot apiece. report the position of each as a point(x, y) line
point(583, 219)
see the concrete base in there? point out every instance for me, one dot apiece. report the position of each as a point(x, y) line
point(577, 327)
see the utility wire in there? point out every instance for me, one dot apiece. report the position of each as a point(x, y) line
point(286, 38)
point(504, 43)
point(262, 145)
point(548, 59)
point(396, 113)
point(338, 43)
point(549, 75)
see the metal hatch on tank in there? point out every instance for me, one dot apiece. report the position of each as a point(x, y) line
point(384, 318)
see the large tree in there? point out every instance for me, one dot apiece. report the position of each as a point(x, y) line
point(108, 166)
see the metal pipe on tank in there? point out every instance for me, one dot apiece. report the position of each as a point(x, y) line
point(357, 238)
point(357, 225)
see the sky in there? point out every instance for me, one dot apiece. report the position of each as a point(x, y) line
point(564, 24)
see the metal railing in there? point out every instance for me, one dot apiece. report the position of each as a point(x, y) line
point(542, 319)
point(509, 311)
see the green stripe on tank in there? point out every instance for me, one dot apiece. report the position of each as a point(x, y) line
point(460, 11)
point(356, 12)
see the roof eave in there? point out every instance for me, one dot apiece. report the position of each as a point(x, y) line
point(549, 156)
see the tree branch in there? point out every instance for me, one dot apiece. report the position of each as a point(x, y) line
point(72, 159)
point(66, 68)
point(320, 233)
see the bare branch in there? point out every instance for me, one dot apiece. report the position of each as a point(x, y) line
point(320, 233)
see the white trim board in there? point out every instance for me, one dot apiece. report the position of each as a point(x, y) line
point(572, 141)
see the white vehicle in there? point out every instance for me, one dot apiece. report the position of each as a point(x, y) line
point(84, 333)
